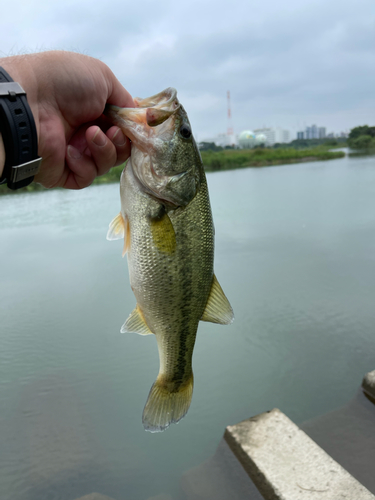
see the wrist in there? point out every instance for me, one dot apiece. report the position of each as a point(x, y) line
point(21, 70)
point(19, 135)
point(2, 155)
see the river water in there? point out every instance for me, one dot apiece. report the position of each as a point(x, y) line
point(295, 254)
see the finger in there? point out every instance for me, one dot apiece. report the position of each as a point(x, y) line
point(96, 159)
point(81, 167)
point(103, 151)
point(121, 143)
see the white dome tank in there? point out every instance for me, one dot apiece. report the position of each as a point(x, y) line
point(246, 139)
point(260, 139)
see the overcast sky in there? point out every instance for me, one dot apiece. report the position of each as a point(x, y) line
point(287, 64)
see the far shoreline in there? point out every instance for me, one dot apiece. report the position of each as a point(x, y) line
point(229, 159)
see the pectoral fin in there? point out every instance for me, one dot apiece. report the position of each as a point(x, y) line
point(116, 228)
point(119, 228)
point(218, 309)
point(136, 323)
point(126, 237)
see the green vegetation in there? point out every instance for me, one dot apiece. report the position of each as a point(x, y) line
point(262, 157)
point(224, 159)
point(337, 142)
point(362, 137)
point(211, 146)
point(112, 176)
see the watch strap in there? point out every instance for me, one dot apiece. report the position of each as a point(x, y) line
point(18, 130)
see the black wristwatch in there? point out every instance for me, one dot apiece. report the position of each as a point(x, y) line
point(17, 126)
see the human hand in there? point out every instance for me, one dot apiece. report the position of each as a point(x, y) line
point(67, 93)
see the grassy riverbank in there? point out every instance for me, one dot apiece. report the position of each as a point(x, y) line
point(264, 157)
point(226, 160)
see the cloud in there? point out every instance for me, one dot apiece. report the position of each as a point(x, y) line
point(285, 63)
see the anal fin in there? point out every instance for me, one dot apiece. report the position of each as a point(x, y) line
point(218, 308)
point(136, 323)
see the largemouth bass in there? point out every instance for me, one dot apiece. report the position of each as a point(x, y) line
point(168, 232)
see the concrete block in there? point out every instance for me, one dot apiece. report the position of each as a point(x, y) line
point(368, 384)
point(285, 464)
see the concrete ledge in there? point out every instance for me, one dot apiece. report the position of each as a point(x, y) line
point(285, 464)
point(368, 384)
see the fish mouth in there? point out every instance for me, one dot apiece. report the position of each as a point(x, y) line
point(153, 110)
point(166, 99)
point(151, 126)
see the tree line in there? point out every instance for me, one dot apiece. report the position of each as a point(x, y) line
point(362, 137)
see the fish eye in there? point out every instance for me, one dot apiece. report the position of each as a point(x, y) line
point(185, 131)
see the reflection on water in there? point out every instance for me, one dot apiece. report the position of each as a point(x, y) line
point(353, 153)
point(295, 255)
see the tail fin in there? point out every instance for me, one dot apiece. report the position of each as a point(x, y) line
point(164, 407)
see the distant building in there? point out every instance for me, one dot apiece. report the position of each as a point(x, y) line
point(312, 132)
point(249, 138)
point(321, 132)
point(300, 135)
point(284, 136)
point(273, 135)
point(315, 132)
point(223, 140)
point(268, 133)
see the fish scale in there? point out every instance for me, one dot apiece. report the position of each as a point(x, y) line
point(174, 300)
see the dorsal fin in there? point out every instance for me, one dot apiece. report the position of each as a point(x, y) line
point(136, 323)
point(218, 309)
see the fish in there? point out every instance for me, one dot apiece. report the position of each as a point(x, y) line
point(168, 231)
